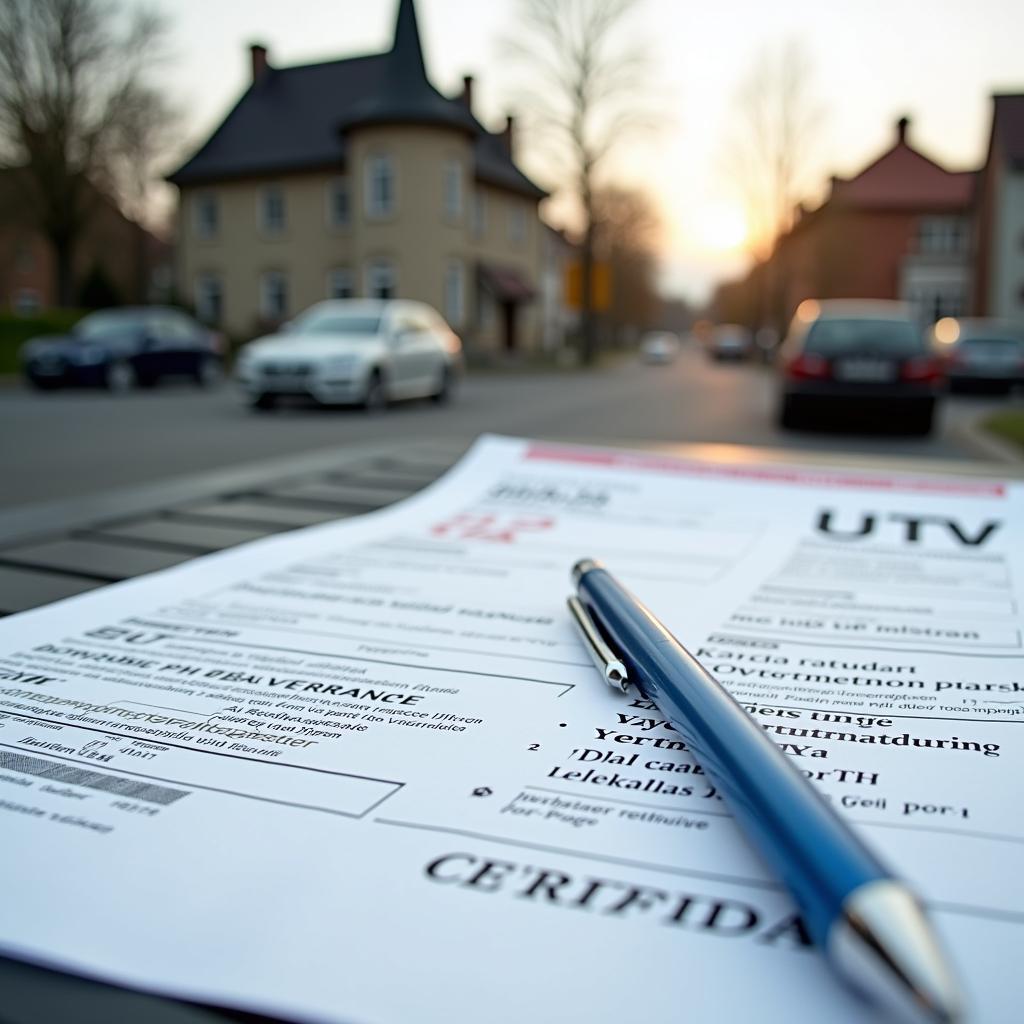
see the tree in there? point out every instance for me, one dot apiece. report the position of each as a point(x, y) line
point(772, 149)
point(585, 95)
point(630, 229)
point(773, 158)
point(77, 112)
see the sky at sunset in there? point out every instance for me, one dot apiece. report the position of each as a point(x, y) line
point(871, 62)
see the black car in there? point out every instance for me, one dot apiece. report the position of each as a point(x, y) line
point(125, 348)
point(862, 362)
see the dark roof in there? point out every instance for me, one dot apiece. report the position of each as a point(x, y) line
point(295, 119)
point(1008, 126)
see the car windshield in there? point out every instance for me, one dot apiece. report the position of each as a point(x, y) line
point(855, 336)
point(330, 321)
point(101, 326)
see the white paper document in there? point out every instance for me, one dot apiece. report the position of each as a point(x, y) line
point(366, 773)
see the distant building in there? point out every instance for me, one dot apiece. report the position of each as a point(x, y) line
point(900, 229)
point(116, 260)
point(999, 270)
point(357, 177)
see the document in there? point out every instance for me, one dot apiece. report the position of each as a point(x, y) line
point(365, 772)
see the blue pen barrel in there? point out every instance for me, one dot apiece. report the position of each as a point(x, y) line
point(791, 826)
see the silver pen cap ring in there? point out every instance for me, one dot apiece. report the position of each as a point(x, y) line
point(583, 566)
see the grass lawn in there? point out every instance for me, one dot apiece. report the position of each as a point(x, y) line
point(16, 330)
point(1008, 425)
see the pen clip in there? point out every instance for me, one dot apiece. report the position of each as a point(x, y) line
point(601, 654)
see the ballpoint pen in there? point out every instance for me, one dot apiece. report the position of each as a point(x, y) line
point(869, 924)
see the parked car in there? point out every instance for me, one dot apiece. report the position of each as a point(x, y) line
point(981, 353)
point(354, 351)
point(123, 348)
point(848, 357)
point(730, 341)
point(659, 347)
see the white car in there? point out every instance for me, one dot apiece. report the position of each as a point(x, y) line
point(354, 351)
point(659, 347)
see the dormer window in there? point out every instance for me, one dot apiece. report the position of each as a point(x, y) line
point(272, 210)
point(380, 186)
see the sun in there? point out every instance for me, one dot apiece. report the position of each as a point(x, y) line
point(722, 227)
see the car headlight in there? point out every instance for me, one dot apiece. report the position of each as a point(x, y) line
point(341, 364)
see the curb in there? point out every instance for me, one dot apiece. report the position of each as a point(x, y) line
point(988, 446)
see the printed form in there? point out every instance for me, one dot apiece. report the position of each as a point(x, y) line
point(365, 772)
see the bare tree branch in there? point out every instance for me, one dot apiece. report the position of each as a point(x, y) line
point(586, 100)
point(77, 111)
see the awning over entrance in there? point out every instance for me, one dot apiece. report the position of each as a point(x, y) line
point(505, 283)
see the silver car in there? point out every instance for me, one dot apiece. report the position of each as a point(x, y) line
point(354, 351)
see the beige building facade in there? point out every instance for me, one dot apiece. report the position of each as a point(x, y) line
point(391, 191)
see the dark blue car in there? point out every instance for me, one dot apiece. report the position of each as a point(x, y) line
point(125, 348)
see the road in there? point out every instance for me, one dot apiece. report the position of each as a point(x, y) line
point(65, 444)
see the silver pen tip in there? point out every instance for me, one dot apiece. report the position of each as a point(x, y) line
point(885, 945)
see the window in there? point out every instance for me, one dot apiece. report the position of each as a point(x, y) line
point(27, 302)
point(339, 210)
point(272, 210)
point(340, 284)
point(380, 187)
point(932, 302)
point(942, 235)
point(454, 293)
point(273, 295)
point(517, 224)
point(479, 214)
point(209, 298)
point(207, 216)
point(452, 190)
point(380, 280)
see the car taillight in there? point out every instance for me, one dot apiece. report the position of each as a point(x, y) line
point(808, 366)
point(921, 368)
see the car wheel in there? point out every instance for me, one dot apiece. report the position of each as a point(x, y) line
point(41, 384)
point(375, 397)
point(920, 421)
point(264, 402)
point(121, 377)
point(791, 415)
point(445, 387)
point(209, 373)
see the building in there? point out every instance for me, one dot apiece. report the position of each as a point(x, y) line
point(999, 269)
point(115, 261)
point(903, 228)
point(900, 229)
point(357, 177)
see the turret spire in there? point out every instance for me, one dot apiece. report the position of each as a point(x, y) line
point(406, 49)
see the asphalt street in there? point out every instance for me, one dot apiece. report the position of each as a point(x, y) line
point(73, 443)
